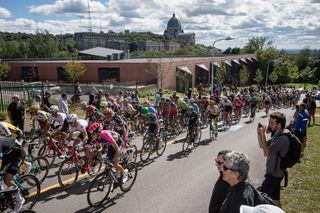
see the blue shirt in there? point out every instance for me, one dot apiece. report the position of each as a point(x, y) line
point(301, 122)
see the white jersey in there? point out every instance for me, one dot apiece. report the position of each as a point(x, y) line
point(81, 126)
point(127, 108)
point(4, 130)
point(58, 119)
point(41, 116)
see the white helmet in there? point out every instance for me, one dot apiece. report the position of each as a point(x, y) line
point(54, 109)
point(72, 118)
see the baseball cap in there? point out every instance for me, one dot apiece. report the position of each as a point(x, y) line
point(264, 208)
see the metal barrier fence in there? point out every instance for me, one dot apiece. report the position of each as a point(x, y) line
point(27, 91)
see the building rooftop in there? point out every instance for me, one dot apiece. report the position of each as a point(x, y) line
point(100, 51)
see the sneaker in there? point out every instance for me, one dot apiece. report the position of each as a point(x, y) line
point(125, 177)
point(18, 206)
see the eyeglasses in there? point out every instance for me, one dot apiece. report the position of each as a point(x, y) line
point(219, 163)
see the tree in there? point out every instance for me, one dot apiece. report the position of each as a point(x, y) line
point(74, 70)
point(221, 74)
point(257, 43)
point(4, 71)
point(273, 77)
point(307, 75)
point(244, 75)
point(259, 77)
point(287, 70)
point(160, 71)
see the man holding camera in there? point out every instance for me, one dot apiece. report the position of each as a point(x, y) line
point(278, 144)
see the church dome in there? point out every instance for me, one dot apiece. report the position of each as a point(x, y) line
point(174, 23)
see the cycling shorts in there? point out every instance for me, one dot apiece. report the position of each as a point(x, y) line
point(14, 157)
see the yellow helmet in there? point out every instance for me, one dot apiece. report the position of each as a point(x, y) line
point(211, 102)
point(33, 108)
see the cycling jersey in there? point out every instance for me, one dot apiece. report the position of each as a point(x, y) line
point(9, 130)
point(108, 137)
point(57, 120)
point(183, 105)
point(195, 108)
point(152, 110)
point(41, 117)
point(96, 116)
point(238, 102)
point(213, 109)
point(81, 126)
point(173, 111)
point(127, 108)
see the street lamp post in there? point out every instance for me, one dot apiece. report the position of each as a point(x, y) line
point(212, 65)
point(267, 73)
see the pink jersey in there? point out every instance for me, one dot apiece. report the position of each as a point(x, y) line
point(107, 136)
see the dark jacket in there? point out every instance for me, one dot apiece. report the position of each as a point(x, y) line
point(219, 193)
point(240, 194)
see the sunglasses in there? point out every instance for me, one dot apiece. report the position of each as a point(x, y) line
point(219, 163)
point(227, 168)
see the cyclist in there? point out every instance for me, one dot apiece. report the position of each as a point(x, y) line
point(227, 110)
point(12, 155)
point(57, 118)
point(9, 130)
point(112, 142)
point(93, 115)
point(41, 117)
point(151, 121)
point(193, 121)
point(194, 106)
point(213, 113)
point(267, 104)
point(117, 123)
point(238, 107)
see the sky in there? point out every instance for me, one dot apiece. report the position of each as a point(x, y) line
point(289, 24)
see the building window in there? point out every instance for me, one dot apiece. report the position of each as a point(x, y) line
point(29, 73)
point(61, 76)
point(109, 74)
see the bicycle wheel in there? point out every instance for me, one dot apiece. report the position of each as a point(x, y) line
point(33, 147)
point(211, 130)
point(145, 150)
point(132, 175)
point(134, 153)
point(68, 173)
point(197, 136)
point(161, 145)
point(96, 164)
point(40, 168)
point(99, 189)
point(186, 143)
point(29, 187)
point(46, 151)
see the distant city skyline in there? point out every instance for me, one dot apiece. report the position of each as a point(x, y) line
point(289, 24)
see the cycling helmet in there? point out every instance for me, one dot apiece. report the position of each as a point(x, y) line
point(95, 128)
point(103, 104)
point(90, 108)
point(211, 102)
point(83, 105)
point(3, 116)
point(125, 100)
point(72, 118)
point(145, 110)
point(191, 100)
point(108, 112)
point(54, 109)
point(33, 108)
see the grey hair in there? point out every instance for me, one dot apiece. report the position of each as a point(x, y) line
point(223, 153)
point(239, 162)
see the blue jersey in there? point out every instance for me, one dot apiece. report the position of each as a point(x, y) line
point(301, 122)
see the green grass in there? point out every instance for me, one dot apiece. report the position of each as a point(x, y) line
point(298, 85)
point(303, 191)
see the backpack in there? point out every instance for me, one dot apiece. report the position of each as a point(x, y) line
point(261, 197)
point(292, 156)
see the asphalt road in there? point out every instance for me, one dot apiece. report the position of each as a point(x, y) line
point(174, 182)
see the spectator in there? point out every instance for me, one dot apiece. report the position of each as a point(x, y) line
point(221, 187)
point(91, 99)
point(119, 97)
point(264, 208)
point(300, 126)
point(277, 145)
point(312, 109)
point(235, 172)
point(77, 92)
point(16, 112)
point(189, 93)
point(63, 104)
point(37, 101)
point(46, 102)
point(98, 99)
point(136, 96)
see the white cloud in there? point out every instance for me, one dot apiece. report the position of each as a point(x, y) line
point(4, 12)
point(290, 23)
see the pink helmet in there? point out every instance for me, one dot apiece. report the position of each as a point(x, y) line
point(95, 128)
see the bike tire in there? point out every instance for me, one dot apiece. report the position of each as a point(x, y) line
point(72, 168)
point(197, 138)
point(132, 176)
point(29, 186)
point(186, 143)
point(160, 150)
point(135, 153)
point(146, 150)
point(99, 189)
point(46, 151)
point(40, 168)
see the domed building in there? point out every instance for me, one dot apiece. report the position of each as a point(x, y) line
point(174, 30)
